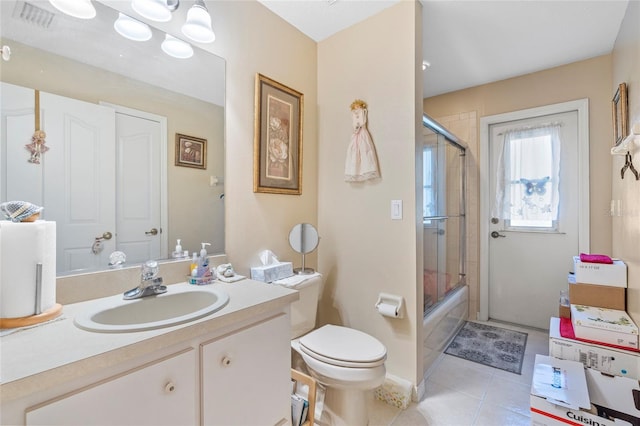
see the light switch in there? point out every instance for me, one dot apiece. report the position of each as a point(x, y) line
point(396, 209)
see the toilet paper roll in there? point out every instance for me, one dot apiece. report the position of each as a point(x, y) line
point(387, 310)
point(23, 245)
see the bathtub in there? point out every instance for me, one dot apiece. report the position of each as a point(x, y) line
point(440, 326)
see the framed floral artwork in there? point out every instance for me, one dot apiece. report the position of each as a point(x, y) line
point(277, 146)
point(191, 151)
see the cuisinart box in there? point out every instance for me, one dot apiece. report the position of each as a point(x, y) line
point(614, 397)
point(604, 325)
point(618, 362)
point(559, 394)
point(614, 274)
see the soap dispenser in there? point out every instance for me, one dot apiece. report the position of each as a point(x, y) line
point(203, 252)
point(178, 251)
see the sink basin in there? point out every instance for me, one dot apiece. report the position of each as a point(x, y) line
point(176, 306)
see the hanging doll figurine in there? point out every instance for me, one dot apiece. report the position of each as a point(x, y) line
point(361, 163)
point(37, 146)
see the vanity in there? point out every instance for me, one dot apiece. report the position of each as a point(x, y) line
point(229, 367)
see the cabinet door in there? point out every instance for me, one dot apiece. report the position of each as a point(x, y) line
point(163, 393)
point(246, 375)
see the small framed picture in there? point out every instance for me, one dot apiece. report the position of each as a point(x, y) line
point(620, 118)
point(191, 151)
point(277, 162)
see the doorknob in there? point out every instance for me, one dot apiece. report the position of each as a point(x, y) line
point(495, 220)
point(496, 234)
point(153, 231)
point(107, 235)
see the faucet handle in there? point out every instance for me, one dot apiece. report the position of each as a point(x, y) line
point(149, 270)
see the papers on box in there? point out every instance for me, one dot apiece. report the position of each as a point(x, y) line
point(603, 325)
point(614, 274)
point(566, 404)
point(609, 360)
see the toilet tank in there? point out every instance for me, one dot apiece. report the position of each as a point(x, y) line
point(304, 310)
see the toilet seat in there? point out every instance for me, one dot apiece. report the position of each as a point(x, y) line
point(344, 347)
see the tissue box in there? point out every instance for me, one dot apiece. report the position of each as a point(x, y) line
point(272, 272)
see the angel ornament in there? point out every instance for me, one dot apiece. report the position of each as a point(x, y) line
point(37, 146)
point(362, 162)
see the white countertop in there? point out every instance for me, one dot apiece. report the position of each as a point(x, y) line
point(55, 352)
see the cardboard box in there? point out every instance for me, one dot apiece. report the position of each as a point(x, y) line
point(559, 394)
point(272, 272)
point(564, 311)
point(601, 296)
point(613, 396)
point(609, 360)
point(614, 274)
point(603, 325)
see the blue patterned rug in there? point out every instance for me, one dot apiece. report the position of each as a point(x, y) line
point(493, 346)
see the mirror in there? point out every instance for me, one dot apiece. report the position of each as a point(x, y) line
point(88, 62)
point(303, 239)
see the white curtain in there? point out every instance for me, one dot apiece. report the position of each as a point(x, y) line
point(528, 174)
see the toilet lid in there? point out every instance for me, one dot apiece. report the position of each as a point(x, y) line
point(343, 346)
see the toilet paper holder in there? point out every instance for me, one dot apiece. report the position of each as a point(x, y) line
point(390, 305)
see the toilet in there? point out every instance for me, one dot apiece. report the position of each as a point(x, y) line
point(347, 362)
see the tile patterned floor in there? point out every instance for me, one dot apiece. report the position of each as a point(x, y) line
point(464, 393)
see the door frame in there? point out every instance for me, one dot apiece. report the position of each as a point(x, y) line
point(164, 208)
point(582, 108)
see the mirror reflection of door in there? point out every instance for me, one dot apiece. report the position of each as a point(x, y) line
point(79, 181)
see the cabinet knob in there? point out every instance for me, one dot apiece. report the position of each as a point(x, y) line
point(226, 361)
point(169, 387)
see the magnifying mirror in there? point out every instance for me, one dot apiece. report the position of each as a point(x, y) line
point(304, 239)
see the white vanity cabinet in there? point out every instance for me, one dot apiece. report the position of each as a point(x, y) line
point(160, 393)
point(245, 374)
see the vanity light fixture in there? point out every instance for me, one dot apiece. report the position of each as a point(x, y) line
point(131, 28)
point(198, 24)
point(177, 48)
point(155, 10)
point(82, 9)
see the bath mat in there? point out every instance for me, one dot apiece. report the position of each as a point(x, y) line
point(493, 346)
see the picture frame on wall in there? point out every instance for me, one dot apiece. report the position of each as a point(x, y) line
point(277, 150)
point(620, 114)
point(191, 151)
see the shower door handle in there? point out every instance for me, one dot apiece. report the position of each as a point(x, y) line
point(496, 234)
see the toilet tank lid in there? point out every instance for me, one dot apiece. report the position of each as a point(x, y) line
point(345, 344)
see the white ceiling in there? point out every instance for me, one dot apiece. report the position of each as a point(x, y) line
point(474, 42)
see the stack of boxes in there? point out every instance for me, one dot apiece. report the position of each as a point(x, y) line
point(595, 332)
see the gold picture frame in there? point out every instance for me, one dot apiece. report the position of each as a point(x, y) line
point(620, 114)
point(277, 145)
point(191, 151)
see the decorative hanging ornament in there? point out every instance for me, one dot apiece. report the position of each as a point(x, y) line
point(37, 146)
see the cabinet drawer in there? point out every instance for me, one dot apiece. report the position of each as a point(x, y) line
point(246, 375)
point(160, 393)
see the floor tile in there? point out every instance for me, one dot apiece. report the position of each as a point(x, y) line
point(444, 406)
point(509, 394)
point(457, 374)
point(381, 413)
point(493, 415)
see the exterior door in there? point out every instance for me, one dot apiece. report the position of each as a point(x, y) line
point(78, 180)
point(138, 187)
point(530, 248)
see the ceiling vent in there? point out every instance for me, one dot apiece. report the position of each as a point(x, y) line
point(33, 15)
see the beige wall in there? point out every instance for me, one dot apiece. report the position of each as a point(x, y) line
point(585, 79)
point(362, 251)
point(50, 73)
point(626, 228)
point(254, 40)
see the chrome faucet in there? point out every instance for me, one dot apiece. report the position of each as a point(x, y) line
point(150, 283)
